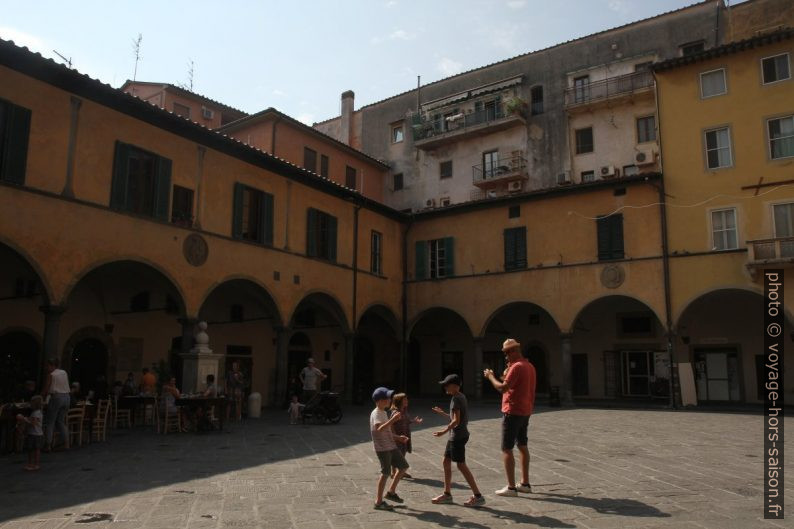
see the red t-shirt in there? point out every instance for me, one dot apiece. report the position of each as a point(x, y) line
point(520, 398)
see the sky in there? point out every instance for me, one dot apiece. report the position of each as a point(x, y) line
point(298, 56)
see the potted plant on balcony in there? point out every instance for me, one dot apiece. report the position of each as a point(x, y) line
point(516, 105)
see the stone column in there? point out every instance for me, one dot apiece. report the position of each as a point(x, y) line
point(282, 342)
point(52, 322)
point(566, 397)
point(188, 330)
point(349, 366)
point(478, 378)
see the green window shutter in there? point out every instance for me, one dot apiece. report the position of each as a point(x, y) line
point(610, 237)
point(521, 247)
point(266, 227)
point(118, 187)
point(616, 236)
point(449, 254)
point(311, 232)
point(510, 248)
point(237, 211)
point(332, 223)
point(421, 260)
point(15, 151)
point(162, 189)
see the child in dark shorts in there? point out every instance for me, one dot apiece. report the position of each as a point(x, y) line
point(456, 445)
point(385, 443)
point(34, 434)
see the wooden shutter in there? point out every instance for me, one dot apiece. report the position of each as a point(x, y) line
point(266, 222)
point(237, 211)
point(118, 187)
point(521, 247)
point(610, 237)
point(332, 222)
point(420, 258)
point(616, 236)
point(602, 233)
point(15, 151)
point(311, 232)
point(449, 255)
point(515, 240)
point(510, 249)
point(162, 188)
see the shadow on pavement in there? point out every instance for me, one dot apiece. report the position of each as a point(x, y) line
point(616, 506)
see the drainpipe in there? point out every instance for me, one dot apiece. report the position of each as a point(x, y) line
point(350, 361)
point(273, 136)
point(665, 253)
point(405, 344)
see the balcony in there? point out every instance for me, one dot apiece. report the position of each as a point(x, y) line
point(502, 172)
point(429, 133)
point(765, 253)
point(608, 89)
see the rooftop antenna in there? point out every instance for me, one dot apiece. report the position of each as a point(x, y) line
point(136, 47)
point(67, 61)
point(190, 71)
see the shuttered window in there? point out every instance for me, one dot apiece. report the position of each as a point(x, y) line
point(252, 215)
point(141, 182)
point(434, 259)
point(310, 159)
point(350, 177)
point(14, 135)
point(515, 248)
point(610, 237)
point(321, 235)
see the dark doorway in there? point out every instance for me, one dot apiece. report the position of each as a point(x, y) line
point(363, 370)
point(494, 360)
point(414, 377)
point(89, 361)
point(19, 361)
point(300, 349)
point(537, 356)
point(580, 383)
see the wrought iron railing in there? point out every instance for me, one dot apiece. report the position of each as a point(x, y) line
point(427, 128)
point(613, 86)
point(502, 167)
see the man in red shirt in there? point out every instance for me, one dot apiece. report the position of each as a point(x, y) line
point(518, 401)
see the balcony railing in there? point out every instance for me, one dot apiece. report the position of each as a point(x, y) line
point(772, 249)
point(504, 168)
point(428, 128)
point(608, 88)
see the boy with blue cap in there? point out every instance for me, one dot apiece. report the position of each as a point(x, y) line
point(386, 447)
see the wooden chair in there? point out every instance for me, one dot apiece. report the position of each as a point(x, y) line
point(121, 415)
point(99, 431)
point(172, 420)
point(74, 423)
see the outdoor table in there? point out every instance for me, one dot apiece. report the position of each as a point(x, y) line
point(8, 424)
point(133, 402)
point(192, 403)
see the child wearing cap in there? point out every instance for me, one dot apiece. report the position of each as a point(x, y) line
point(385, 441)
point(456, 445)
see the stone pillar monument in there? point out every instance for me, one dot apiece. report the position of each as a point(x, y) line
point(199, 362)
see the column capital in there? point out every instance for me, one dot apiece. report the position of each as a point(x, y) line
point(53, 310)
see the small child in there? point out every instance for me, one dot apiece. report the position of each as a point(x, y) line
point(403, 426)
point(380, 426)
point(295, 409)
point(456, 445)
point(34, 434)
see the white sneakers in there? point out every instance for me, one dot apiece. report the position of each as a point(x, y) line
point(512, 493)
point(526, 489)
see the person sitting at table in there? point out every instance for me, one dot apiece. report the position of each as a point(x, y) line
point(148, 382)
point(203, 422)
point(212, 388)
point(168, 398)
point(129, 387)
point(75, 395)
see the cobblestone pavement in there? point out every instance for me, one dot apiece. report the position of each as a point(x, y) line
point(591, 468)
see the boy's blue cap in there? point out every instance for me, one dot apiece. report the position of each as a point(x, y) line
point(451, 379)
point(382, 393)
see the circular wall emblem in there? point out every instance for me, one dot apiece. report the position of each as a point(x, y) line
point(195, 249)
point(612, 276)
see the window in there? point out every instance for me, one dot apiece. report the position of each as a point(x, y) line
point(514, 212)
point(581, 87)
point(630, 170)
point(692, 48)
point(781, 137)
point(584, 140)
point(445, 169)
point(141, 182)
point(182, 110)
point(712, 83)
point(434, 259)
point(723, 229)
point(324, 166)
point(490, 161)
point(646, 129)
point(776, 68)
point(718, 148)
point(610, 237)
point(14, 136)
point(350, 177)
point(784, 219)
point(397, 133)
point(321, 235)
point(253, 215)
point(536, 100)
point(375, 253)
point(182, 206)
point(398, 181)
point(310, 159)
point(515, 248)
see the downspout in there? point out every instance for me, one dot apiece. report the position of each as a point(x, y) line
point(355, 265)
point(717, 25)
point(668, 313)
point(273, 136)
point(404, 308)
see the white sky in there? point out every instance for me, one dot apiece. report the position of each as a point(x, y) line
point(298, 55)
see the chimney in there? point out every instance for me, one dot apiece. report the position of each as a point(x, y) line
point(346, 130)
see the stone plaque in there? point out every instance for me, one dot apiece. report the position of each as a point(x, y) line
point(195, 249)
point(612, 276)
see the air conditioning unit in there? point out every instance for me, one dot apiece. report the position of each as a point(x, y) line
point(491, 193)
point(607, 171)
point(645, 156)
point(512, 187)
point(207, 113)
point(564, 178)
point(430, 203)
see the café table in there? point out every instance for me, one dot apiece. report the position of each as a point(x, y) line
point(133, 402)
point(205, 403)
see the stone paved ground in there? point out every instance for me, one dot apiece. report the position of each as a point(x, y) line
point(591, 468)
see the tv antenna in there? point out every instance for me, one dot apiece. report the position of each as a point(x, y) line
point(136, 47)
point(67, 61)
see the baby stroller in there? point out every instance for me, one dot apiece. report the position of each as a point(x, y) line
point(323, 408)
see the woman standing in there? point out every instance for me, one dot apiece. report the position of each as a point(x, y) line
point(57, 387)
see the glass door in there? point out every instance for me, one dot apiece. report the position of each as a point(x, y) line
point(717, 375)
point(490, 161)
point(636, 374)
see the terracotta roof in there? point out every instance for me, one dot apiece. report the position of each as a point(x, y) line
point(185, 91)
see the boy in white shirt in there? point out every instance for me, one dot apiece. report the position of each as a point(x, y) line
point(386, 448)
